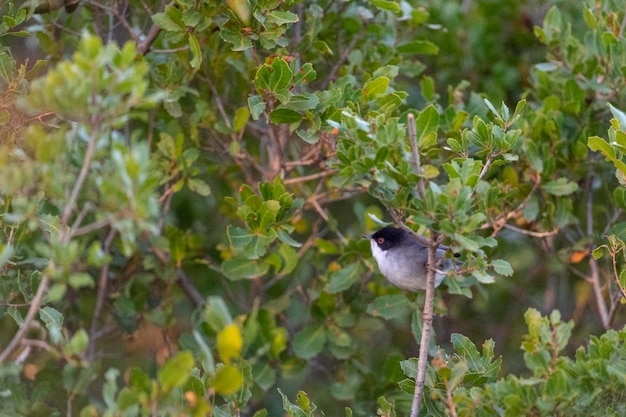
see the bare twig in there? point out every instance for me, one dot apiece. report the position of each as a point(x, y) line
point(594, 273)
point(100, 295)
point(342, 58)
point(84, 170)
point(35, 304)
point(432, 243)
point(144, 46)
point(189, 289)
point(427, 320)
point(311, 177)
point(417, 167)
point(616, 274)
point(530, 232)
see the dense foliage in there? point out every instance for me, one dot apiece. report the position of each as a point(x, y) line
point(184, 187)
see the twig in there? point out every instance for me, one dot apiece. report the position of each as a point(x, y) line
point(101, 294)
point(305, 178)
point(342, 58)
point(144, 46)
point(450, 402)
point(616, 275)
point(433, 243)
point(84, 170)
point(594, 274)
point(120, 18)
point(30, 315)
point(530, 232)
point(427, 320)
point(189, 289)
point(417, 167)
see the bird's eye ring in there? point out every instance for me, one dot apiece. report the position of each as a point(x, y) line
point(380, 240)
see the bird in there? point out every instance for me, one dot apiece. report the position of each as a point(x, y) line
point(402, 259)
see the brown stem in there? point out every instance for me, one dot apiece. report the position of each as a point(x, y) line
point(594, 275)
point(101, 294)
point(427, 320)
point(417, 167)
point(342, 58)
point(84, 170)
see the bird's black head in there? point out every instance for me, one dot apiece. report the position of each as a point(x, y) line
point(388, 237)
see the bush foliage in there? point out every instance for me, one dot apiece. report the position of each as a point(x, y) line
point(184, 187)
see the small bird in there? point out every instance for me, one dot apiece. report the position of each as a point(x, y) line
point(402, 259)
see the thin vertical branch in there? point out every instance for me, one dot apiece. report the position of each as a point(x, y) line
point(594, 275)
point(427, 313)
point(417, 166)
point(427, 320)
point(84, 170)
point(101, 294)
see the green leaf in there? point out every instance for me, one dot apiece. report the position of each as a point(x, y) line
point(227, 380)
point(418, 47)
point(268, 211)
point(596, 143)
point(427, 124)
point(257, 106)
point(326, 247)
point(619, 115)
point(502, 267)
point(78, 343)
point(304, 101)
point(466, 349)
point(375, 87)
point(285, 115)
point(175, 371)
point(199, 187)
point(427, 87)
point(81, 280)
point(289, 258)
point(196, 52)
point(242, 115)
point(231, 33)
point(309, 341)
point(273, 77)
point(217, 314)
point(560, 187)
point(208, 362)
point(164, 21)
point(389, 306)
point(284, 237)
point(281, 18)
point(237, 268)
point(391, 6)
point(305, 75)
point(344, 278)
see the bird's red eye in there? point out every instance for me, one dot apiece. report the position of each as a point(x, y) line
point(380, 240)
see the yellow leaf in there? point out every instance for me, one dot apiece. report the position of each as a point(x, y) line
point(334, 266)
point(229, 343)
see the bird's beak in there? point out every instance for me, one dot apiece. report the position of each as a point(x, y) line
point(366, 236)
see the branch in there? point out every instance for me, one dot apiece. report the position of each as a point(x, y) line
point(342, 58)
point(417, 167)
point(84, 170)
point(145, 45)
point(102, 288)
point(305, 178)
point(593, 263)
point(189, 289)
point(427, 320)
point(30, 316)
